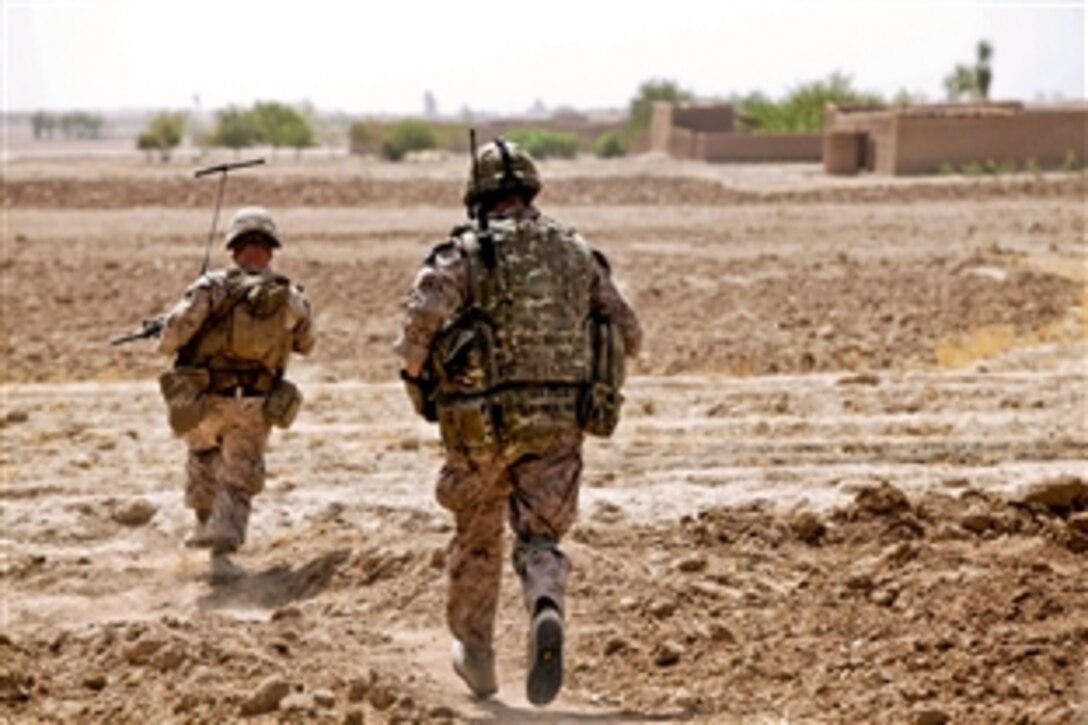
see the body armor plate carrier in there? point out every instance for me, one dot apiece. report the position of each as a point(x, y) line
point(513, 365)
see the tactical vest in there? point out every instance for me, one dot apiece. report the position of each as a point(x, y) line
point(245, 340)
point(513, 363)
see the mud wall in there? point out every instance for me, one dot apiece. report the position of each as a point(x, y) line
point(760, 147)
point(1045, 136)
point(704, 119)
point(706, 133)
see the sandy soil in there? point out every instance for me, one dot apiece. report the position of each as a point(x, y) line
point(850, 485)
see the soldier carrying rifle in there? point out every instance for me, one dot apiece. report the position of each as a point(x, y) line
point(514, 340)
point(231, 336)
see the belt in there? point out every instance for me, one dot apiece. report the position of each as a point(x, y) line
point(238, 391)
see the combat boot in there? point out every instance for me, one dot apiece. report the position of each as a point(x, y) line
point(223, 570)
point(545, 676)
point(199, 538)
point(477, 669)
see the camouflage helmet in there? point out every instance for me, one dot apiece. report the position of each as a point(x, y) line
point(252, 220)
point(501, 167)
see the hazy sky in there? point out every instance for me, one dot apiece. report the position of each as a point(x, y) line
point(502, 56)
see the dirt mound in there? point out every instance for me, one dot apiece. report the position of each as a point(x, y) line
point(968, 605)
point(903, 607)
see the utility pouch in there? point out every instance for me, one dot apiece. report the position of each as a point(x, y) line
point(185, 391)
point(601, 401)
point(467, 426)
point(282, 403)
point(600, 409)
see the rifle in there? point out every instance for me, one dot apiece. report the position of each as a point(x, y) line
point(154, 326)
point(477, 212)
point(151, 328)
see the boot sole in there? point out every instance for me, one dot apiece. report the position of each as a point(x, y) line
point(546, 661)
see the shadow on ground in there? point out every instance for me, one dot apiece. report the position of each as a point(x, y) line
point(499, 712)
point(276, 587)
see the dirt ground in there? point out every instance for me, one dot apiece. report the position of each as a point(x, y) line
point(850, 484)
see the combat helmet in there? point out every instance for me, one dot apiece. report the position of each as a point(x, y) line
point(502, 167)
point(252, 220)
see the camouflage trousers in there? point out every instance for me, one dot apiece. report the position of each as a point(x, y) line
point(539, 494)
point(225, 468)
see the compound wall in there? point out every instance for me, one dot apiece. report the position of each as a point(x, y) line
point(921, 140)
point(705, 133)
point(1045, 137)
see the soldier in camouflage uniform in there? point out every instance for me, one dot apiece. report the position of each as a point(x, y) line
point(513, 341)
point(231, 336)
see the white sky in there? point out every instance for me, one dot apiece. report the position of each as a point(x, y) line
point(373, 57)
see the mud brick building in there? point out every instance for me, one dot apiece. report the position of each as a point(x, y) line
point(922, 139)
point(704, 131)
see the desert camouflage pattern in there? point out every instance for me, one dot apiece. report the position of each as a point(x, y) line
point(539, 497)
point(441, 287)
point(253, 219)
point(296, 330)
point(494, 174)
point(225, 467)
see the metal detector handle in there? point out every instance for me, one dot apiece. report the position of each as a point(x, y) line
point(220, 169)
point(228, 167)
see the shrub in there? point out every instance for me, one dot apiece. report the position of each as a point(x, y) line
point(946, 169)
point(406, 136)
point(609, 145)
point(1071, 163)
point(544, 144)
point(1032, 167)
point(972, 168)
point(163, 134)
point(802, 110)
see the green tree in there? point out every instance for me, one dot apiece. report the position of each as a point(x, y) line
point(163, 134)
point(972, 82)
point(641, 108)
point(235, 128)
point(278, 124)
point(802, 110)
point(406, 136)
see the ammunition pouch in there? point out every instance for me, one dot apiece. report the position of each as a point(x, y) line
point(282, 403)
point(521, 418)
point(601, 400)
point(185, 391)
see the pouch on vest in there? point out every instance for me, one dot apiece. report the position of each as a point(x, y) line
point(257, 324)
point(282, 403)
point(467, 427)
point(599, 408)
point(185, 391)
